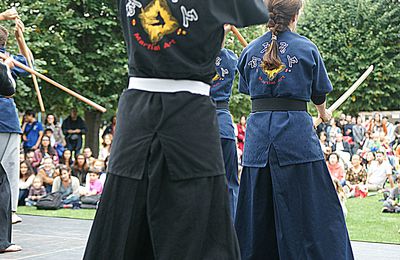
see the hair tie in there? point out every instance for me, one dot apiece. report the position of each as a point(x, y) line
point(274, 37)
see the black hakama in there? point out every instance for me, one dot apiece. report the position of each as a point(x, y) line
point(165, 196)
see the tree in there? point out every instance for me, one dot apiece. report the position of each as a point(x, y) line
point(351, 35)
point(79, 44)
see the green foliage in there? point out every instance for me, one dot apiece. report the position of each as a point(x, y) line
point(351, 35)
point(77, 43)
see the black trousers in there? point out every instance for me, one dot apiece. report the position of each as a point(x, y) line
point(159, 217)
point(5, 210)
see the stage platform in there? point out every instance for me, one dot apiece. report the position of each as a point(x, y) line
point(44, 238)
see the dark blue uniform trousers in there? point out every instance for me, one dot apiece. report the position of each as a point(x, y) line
point(290, 212)
point(231, 167)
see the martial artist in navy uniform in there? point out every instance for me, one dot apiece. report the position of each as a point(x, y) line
point(288, 207)
point(221, 90)
point(165, 196)
point(10, 131)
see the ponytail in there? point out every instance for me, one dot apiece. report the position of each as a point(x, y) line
point(280, 15)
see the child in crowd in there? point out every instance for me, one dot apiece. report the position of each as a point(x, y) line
point(36, 191)
point(95, 186)
point(100, 166)
point(392, 203)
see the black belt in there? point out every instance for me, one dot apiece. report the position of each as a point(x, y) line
point(222, 105)
point(277, 104)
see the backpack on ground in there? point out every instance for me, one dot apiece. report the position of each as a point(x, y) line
point(50, 201)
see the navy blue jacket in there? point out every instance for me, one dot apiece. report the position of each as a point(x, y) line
point(303, 75)
point(9, 122)
point(221, 90)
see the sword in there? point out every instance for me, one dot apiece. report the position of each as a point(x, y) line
point(54, 83)
point(347, 94)
point(241, 39)
point(30, 63)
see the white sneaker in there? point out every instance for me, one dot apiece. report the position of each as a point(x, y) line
point(12, 248)
point(15, 218)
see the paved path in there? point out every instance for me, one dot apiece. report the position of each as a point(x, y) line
point(46, 238)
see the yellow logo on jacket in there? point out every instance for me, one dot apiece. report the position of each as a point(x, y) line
point(157, 20)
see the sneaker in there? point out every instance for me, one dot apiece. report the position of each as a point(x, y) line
point(12, 248)
point(15, 218)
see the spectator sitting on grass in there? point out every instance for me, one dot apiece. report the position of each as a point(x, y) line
point(47, 172)
point(370, 162)
point(392, 203)
point(45, 149)
point(80, 169)
point(66, 158)
point(66, 184)
point(30, 156)
point(342, 148)
point(375, 145)
point(358, 134)
point(87, 152)
point(59, 148)
point(36, 192)
point(99, 166)
point(333, 130)
point(377, 175)
point(106, 147)
point(26, 176)
point(335, 168)
point(325, 145)
point(94, 186)
point(356, 178)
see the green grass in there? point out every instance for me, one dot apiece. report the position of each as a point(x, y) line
point(60, 213)
point(365, 221)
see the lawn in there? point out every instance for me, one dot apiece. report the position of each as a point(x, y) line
point(364, 220)
point(61, 213)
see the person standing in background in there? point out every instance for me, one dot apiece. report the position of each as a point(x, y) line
point(73, 128)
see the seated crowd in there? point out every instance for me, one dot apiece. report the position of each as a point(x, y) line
point(51, 162)
point(363, 156)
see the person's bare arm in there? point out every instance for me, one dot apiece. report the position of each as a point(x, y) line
point(323, 113)
point(36, 146)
